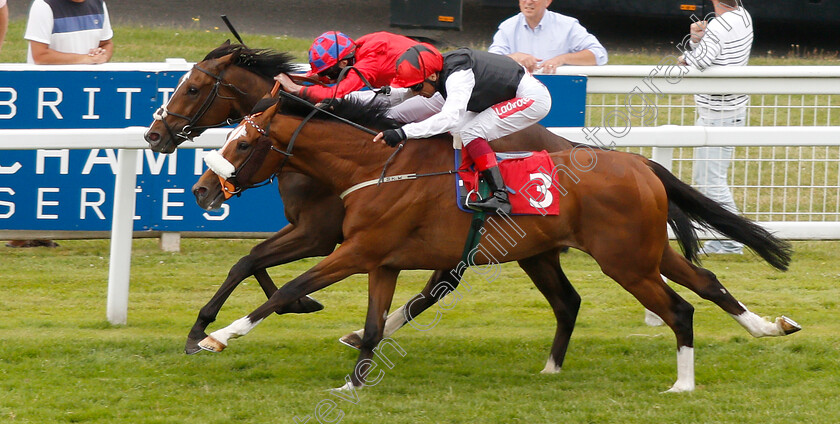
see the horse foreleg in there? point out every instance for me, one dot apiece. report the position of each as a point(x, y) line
point(287, 245)
point(381, 284)
point(706, 285)
point(408, 312)
point(547, 274)
point(335, 267)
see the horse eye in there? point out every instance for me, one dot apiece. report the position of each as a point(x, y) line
point(243, 145)
point(192, 90)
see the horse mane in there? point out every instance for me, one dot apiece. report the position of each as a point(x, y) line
point(365, 113)
point(264, 62)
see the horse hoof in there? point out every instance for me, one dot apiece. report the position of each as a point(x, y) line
point(678, 389)
point(211, 345)
point(550, 367)
point(346, 388)
point(304, 305)
point(192, 347)
point(353, 340)
point(787, 325)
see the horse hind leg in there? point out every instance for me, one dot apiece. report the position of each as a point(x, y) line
point(703, 282)
point(649, 289)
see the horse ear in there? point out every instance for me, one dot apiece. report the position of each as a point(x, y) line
point(226, 43)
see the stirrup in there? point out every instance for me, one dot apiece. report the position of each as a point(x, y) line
point(503, 205)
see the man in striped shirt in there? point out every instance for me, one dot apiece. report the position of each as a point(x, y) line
point(724, 41)
point(69, 32)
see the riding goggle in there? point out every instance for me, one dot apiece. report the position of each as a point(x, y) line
point(330, 73)
point(419, 86)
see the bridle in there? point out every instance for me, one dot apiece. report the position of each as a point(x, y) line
point(231, 185)
point(185, 132)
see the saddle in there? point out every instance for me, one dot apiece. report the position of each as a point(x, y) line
point(527, 176)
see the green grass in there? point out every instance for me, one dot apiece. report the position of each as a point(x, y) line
point(62, 362)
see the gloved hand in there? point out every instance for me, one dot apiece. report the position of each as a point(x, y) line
point(393, 137)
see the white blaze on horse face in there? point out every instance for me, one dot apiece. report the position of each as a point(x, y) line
point(162, 111)
point(236, 329)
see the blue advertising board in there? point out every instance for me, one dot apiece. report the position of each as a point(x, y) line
point(73, 189)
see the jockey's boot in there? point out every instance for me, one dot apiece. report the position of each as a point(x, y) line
point(498, 198)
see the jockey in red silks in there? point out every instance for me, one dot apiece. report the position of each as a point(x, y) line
point(487, 96)
point(374, 55)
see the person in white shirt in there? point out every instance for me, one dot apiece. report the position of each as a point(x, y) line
point(724, 41)
point(68, 32)
point(4, 21)
point(541, 40)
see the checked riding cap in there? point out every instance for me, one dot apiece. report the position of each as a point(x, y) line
point(416, 64)
point(328, 49)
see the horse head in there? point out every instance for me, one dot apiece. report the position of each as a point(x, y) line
point(244, 161)
point(217, 92)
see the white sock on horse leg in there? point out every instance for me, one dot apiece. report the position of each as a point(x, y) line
point(395, 321)
point(685, 371)
point(236, 329)
point(756, 325)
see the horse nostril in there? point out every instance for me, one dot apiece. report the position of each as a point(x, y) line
point(200, 191)
point(152, 137)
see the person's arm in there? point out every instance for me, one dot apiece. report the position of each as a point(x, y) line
point(42, 54)
point(581, 58)
point(106, 49)
point(459, 88)
point(703, 52)
point(584, 50)
point(4, 23)
point(503, 45)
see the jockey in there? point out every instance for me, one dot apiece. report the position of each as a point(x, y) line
point(373, 55)
point(487, 96)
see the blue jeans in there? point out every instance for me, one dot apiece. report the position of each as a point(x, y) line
point(711, 165)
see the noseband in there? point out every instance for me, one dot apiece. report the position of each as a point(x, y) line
point(230, 184)
point(185, 132)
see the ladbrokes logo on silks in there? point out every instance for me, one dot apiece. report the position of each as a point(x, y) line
point(512, 106)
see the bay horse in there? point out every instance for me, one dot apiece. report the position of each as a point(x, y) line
point(221, 89)
point(615, 207)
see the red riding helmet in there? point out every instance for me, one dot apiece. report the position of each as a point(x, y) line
point(416, 64)
point(328, 49)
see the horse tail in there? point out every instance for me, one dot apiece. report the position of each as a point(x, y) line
point(710, 215)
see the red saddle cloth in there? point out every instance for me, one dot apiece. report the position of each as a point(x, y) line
point(527, 176)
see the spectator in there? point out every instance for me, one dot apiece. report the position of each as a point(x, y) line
point(69, 31)
point(4, 21)
point(542, 40)
point(66, 32)
point(725, 41)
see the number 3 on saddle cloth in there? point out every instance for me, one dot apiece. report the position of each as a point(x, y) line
point(527, 176)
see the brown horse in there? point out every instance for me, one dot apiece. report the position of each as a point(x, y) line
point(614, 207)
point(221, 89)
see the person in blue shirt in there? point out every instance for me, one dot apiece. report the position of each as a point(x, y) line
point(542, 40)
